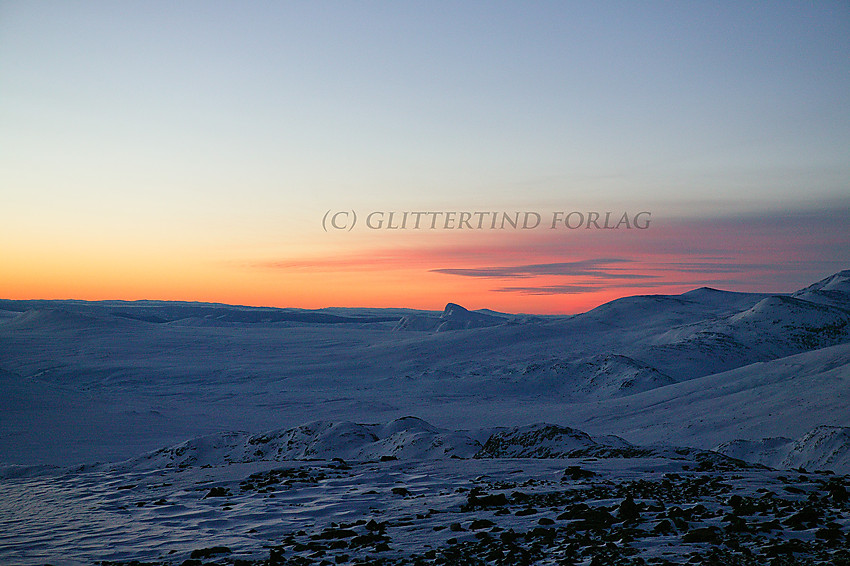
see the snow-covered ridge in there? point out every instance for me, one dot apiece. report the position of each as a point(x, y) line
point(188, 314)
point(775, 327)
point(405, 438)
point(833, 290)
point(823, 448)
point(411, 438)
point(408, 438)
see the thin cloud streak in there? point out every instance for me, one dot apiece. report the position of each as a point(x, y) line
point(583, 268)
point(550, 290)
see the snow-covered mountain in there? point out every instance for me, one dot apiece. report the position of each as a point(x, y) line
point(109, 380)
point(453, 317)
point(786, 397)
point(774, 327)
point(833, 290)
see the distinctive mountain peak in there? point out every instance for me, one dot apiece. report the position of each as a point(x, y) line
point(456, 317)
point(453, 309)
point(453, 317)
point(706, 290)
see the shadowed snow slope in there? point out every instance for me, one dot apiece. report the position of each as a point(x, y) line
point(824, 448)
point(597, 377)
point(784, 397)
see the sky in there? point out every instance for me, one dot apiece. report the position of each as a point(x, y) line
point(252, 152)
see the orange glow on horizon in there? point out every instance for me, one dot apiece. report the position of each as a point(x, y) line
point(540, 273)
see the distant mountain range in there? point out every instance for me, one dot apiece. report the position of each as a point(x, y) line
point(112, 379)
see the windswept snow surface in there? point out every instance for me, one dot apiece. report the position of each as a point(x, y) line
point(533, 494)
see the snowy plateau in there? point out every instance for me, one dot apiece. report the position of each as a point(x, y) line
point(710, 427)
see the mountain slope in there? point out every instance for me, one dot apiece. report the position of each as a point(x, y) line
point(783, 397)
point(833, 290)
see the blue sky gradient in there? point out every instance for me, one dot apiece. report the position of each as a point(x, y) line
point(222, 131)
